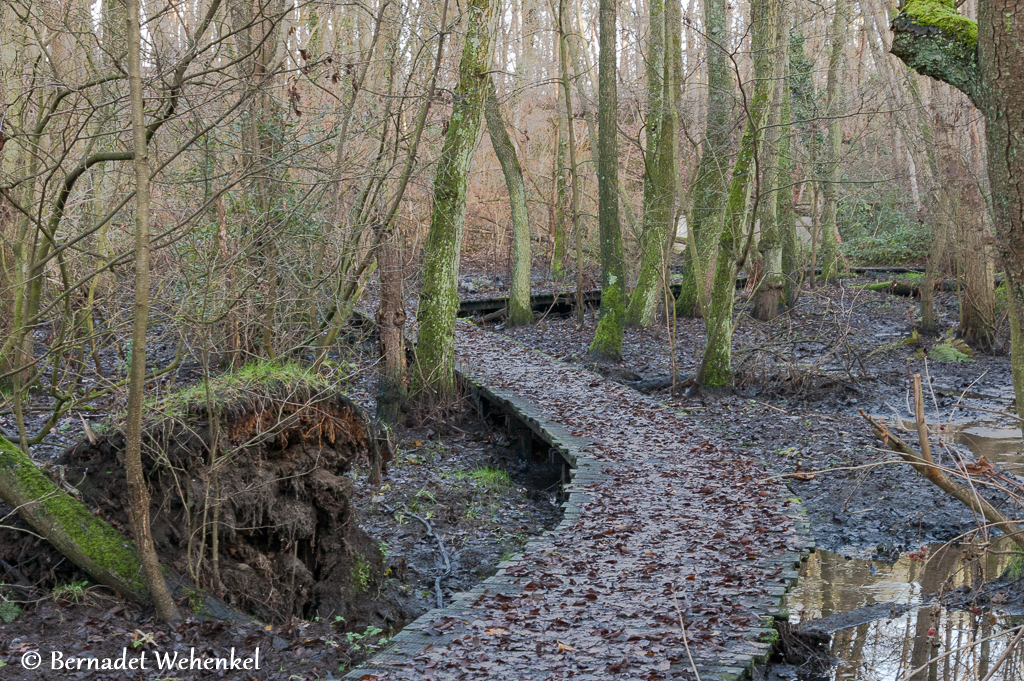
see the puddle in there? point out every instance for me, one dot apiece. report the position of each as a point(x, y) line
point(1002, 445)
point(998, 441)
point(905, 638)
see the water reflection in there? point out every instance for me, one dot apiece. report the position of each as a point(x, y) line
point(899, 642)
point(1001, 444)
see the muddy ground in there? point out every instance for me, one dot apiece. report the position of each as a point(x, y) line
point(460, 474)
point(800, 383)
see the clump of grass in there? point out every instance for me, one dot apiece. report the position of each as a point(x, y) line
point(360, 575)
point(227, 387)
point(72, 593)
point(1015, 570)
point(491, 478)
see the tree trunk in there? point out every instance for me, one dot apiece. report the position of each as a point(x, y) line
point(439, 298)
point(138, 493)
point(977, 317)
point(574, 180)
point(607, 343)
point(660, 162)
point(935, 254)
point(791, 274)
point(716, 366)
point(1001, 66)
point(708, 195)
point(87, 540)
point(391, 391)
point(769, 291)
point(8, 222)
point(985, 61)
point(559, 237)
point(519, 310)
point(8, 282)
point(831, 260)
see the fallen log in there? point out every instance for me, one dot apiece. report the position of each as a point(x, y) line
point(87, 540)
point(650, 385)
point(901, 288)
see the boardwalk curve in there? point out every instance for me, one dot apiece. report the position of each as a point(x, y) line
point(661, 525)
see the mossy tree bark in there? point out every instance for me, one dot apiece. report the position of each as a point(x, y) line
point(86, 539)
point(769, 290)
point(737, 233)
point(709, 191)
point(607, 343)
point(831, 260)
point(439, 300)
point(659, 183)
point(791, 274)
point(519, 310)
point(984, 60)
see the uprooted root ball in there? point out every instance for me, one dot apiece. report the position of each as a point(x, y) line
point(263, 466)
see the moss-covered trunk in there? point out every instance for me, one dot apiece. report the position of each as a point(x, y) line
point(791, 275)
point(661, 170)
point(708, 194)
point(439, 300)
point(737, 232)
point(607, 343)
point(769, 290)
point(830, 258)
point(519, 310)
point(87, 540)
point(984, 60)
point(644, 297)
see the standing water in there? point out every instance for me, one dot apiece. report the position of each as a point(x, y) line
point(907, 629)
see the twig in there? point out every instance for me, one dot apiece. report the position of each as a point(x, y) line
point(15, 572)
point(682, 628)
point(765, 404)
point(991, 411)
point(968, 646)
point(444, 555)
point(1006, 653)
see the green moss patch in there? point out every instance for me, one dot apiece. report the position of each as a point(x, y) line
point(942, 14)
point(101, 550)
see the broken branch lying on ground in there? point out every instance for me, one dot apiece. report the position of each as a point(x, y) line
point(926, 467)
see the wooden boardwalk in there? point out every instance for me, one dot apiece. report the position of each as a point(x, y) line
point(663, 528)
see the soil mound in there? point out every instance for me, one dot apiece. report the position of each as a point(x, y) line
point(250, 497)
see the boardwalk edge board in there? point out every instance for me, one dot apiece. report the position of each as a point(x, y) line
point(734, 664)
